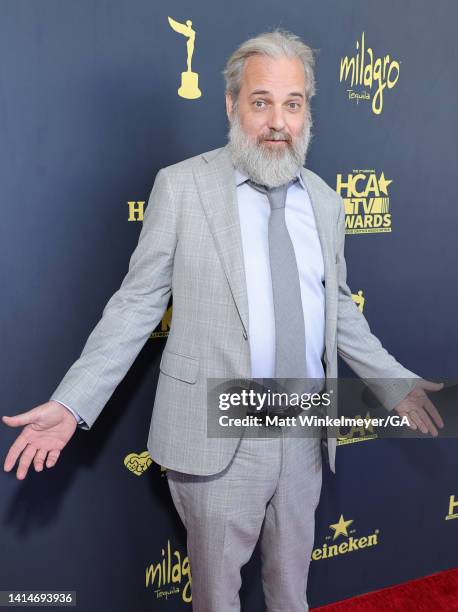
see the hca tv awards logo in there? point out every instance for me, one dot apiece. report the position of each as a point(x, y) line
point(357, 433)
point(452, 509)
point(368, 77)
point(360, 433)
point(366, 200)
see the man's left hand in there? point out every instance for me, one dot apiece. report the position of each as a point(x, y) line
point(416, 405)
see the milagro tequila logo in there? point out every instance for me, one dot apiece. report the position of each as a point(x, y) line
point(366, 200)
point(363, 71)
point(343, 540)
point(170, 575)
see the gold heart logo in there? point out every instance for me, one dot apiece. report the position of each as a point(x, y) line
point(138, 463)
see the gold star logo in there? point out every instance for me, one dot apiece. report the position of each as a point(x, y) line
point(340, 528)
point(383, 183)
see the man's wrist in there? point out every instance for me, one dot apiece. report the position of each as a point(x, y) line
point(77, 417)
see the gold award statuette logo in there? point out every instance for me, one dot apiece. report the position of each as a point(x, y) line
point(162, 330)
point(359, 299)
point(189, 80)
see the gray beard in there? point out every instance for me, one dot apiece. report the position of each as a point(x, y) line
point(263, 164)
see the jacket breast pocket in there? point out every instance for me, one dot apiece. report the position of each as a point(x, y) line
point(181, 367)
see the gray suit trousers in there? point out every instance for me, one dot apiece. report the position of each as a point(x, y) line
point(269, 490)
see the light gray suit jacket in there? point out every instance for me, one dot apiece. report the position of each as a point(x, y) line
point(190, 245)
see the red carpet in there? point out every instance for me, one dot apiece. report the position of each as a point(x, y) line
point(436, 592)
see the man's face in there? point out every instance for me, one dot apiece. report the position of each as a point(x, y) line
point(271, 102)
point(270, 125)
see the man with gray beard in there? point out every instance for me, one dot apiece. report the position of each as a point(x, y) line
point(264, 164)
point(252, 244)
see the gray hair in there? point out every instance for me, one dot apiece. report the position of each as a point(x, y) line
point(274, 44)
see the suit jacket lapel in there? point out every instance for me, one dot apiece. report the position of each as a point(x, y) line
point(216, 184)
point(324, 229)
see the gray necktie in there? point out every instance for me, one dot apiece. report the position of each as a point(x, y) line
point(290, 356)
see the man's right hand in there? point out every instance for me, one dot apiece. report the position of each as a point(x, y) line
point(48, 428)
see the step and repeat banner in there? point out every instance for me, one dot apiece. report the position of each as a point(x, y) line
point(95, 97)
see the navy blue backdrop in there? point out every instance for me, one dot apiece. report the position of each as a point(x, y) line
point(89, 111)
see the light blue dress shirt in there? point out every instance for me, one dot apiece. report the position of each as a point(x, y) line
point(254, 212)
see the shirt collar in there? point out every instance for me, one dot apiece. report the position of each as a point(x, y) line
point(240, 177)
